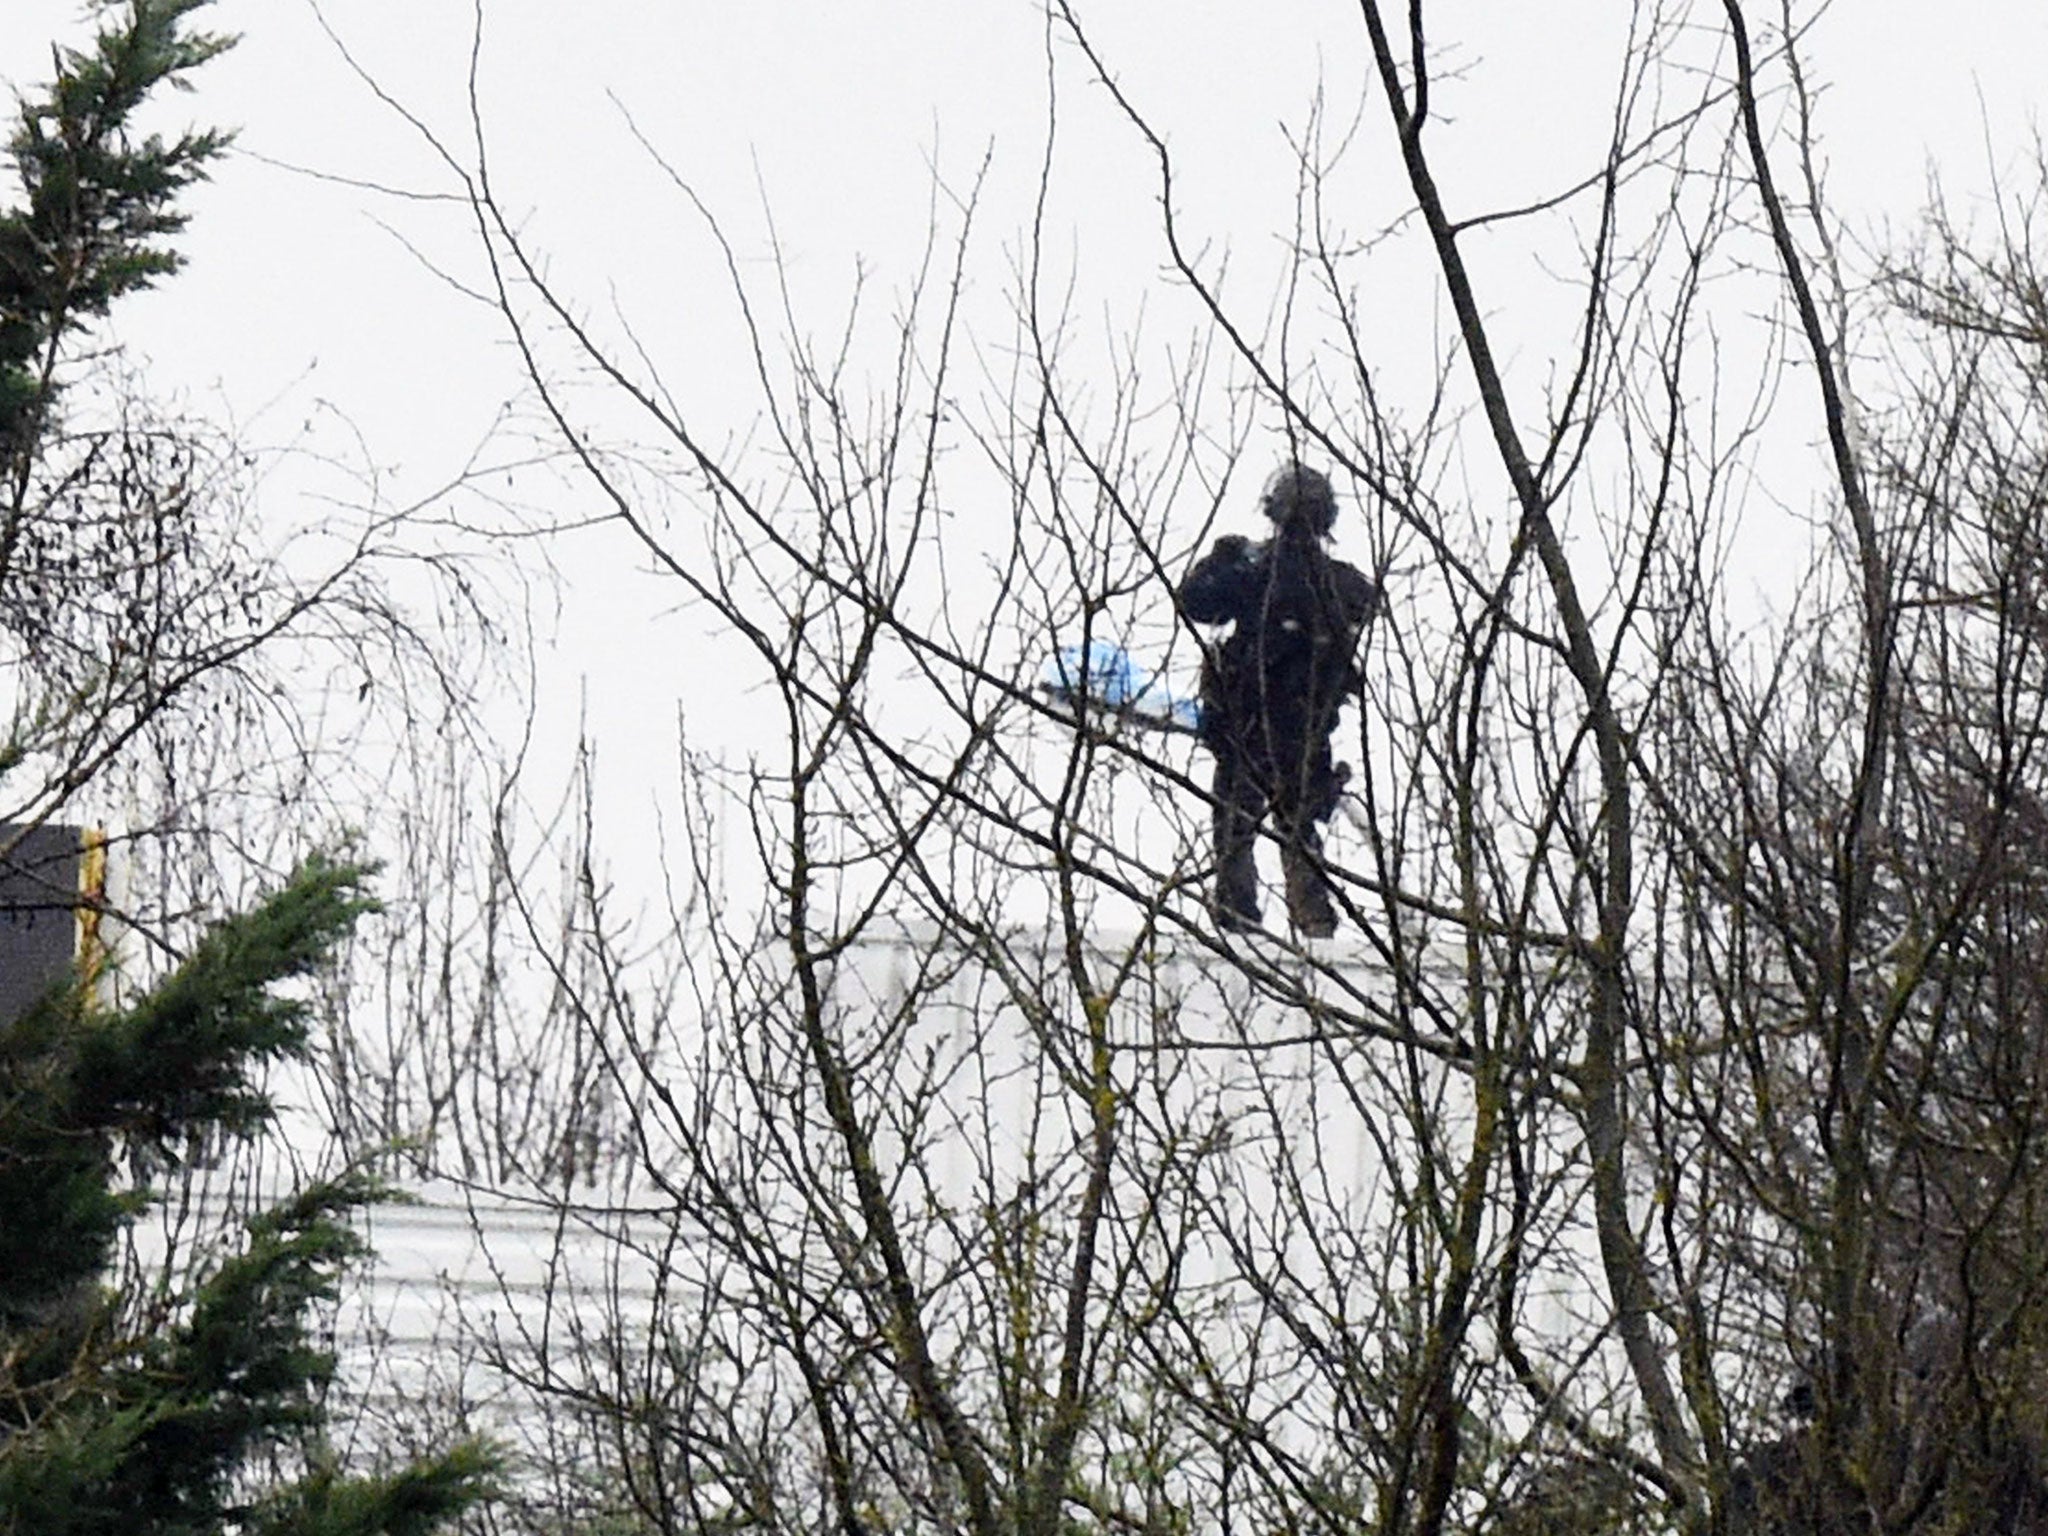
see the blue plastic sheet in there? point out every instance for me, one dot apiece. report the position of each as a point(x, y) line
point(1102, 676)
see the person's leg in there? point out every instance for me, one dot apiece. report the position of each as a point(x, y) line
point(1297, 816)
point(1240, 804)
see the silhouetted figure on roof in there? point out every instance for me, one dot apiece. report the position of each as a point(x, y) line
point(1271, 692)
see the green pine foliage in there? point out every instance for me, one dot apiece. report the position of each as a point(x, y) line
point(416, 1501)
point(183, 1062)
point(107, 1426)
point(196, 1405)
point(98, 201)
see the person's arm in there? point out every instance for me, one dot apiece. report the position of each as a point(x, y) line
point(1360, 601)
point(1216, 590)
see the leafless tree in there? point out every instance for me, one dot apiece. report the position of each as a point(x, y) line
point(1657, 1145)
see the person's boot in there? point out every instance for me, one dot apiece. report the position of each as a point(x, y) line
point(1235, 901)
point(1309, 906)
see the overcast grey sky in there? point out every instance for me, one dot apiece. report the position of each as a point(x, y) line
point(308, 286)
point(835, 113)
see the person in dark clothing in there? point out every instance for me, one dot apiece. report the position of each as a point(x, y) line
point(1271, 692)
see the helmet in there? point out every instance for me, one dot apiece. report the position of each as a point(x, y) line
point(1300, 497)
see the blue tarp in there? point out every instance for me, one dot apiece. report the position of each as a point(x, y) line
point(1102, 676)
